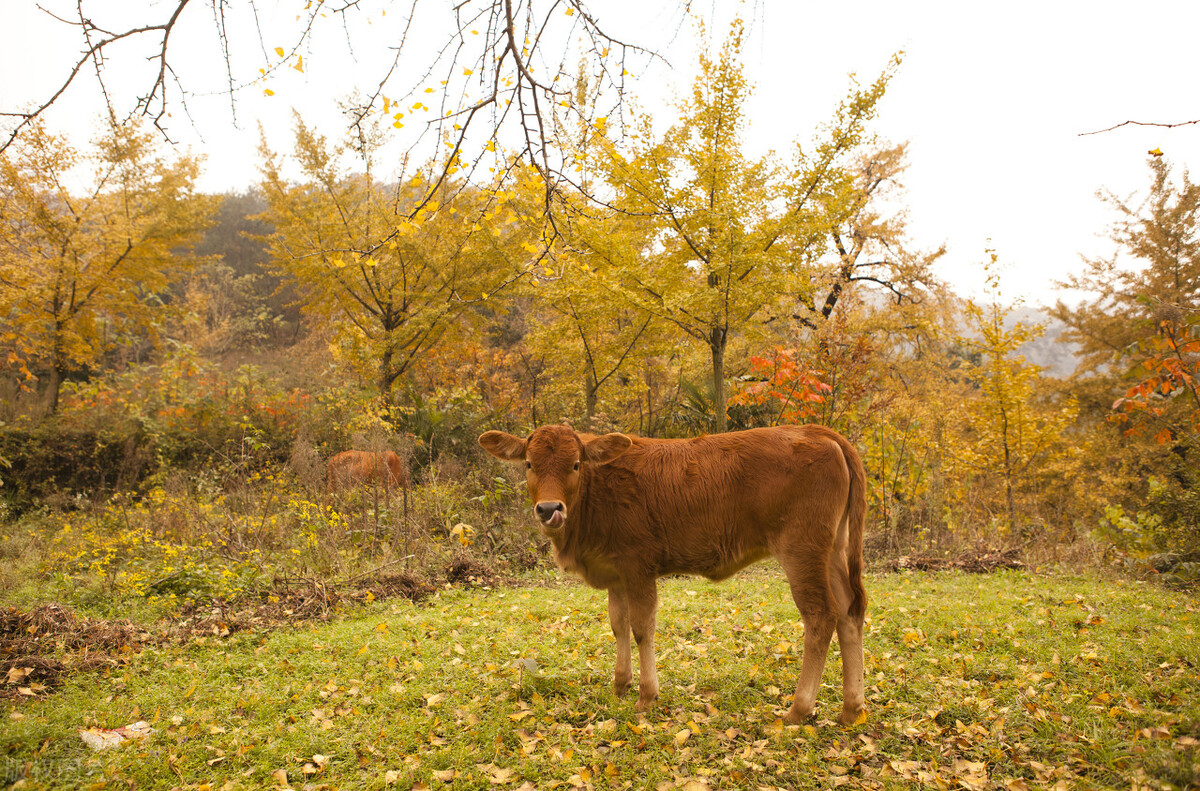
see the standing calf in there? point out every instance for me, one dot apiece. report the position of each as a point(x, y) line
point(622, 511)
point(354, 467)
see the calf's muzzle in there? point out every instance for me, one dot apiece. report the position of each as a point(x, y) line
point(552, 513)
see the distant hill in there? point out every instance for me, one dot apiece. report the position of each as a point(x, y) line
point(1058, 359)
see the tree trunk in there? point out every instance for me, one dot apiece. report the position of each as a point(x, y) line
point(53, 386)
point(717, 342)
point(386, 377)
point(590, 395)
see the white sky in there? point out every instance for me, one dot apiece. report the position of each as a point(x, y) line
point(992, 98)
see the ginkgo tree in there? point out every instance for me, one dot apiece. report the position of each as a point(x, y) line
point(91, 245)
point(1014, 434)
point(730, 240)
point(390, 285)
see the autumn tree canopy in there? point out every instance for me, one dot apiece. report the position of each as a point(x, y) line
point(392, 282)
point(87, 265)
point(725, 242)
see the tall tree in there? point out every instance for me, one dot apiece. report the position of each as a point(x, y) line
point(82, 268)
point(729, 239)
point(1138, 327)
point(392, 284)
point(1013, 433)
point(1124, 298)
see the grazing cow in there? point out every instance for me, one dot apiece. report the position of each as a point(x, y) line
point(622, 511)
point(354, 467)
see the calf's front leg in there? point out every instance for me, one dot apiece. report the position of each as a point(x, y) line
point(618, 618)
point(641, 599)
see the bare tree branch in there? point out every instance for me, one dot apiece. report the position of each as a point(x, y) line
point(1139, 123)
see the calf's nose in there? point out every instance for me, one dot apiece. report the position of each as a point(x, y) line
point(546, 510)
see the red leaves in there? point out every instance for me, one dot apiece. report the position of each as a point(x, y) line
point(1171, 363)
point(785, 387)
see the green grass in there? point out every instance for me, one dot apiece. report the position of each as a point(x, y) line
point(1007, 680)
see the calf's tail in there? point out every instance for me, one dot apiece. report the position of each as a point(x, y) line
point(856, 515)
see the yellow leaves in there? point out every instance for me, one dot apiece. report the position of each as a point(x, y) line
point(299, 64)
point(463, 534)
point(279, 51)
point(467, 72)
point(1155, 152)
point(491, 146)
point(499, 775)
point(570, 12)
point(445, 775)
point(268, 92)
point(316, 765)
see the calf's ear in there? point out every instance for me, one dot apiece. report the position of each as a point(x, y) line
point(503, 446)
point(604, 449)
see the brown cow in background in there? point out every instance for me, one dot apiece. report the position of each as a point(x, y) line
point(622, 511)
point(355, 467)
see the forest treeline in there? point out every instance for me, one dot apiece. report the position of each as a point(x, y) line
point(671, 284)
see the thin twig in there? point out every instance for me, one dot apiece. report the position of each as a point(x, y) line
point(1140, 123)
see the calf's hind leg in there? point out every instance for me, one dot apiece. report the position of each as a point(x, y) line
point(850, 644)
point(809, 583)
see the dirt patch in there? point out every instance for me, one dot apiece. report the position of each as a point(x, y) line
point(390, 586)
point(297, 598)
point(29, 676)
point(463, 570)
point(983, 562)
point(53, 627)
point(39, 647)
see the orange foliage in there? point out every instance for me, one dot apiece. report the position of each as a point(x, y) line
point(787, 390)
point(1172, 366)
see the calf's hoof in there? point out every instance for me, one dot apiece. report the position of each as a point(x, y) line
point(853, 716)
point(621, 686)
point(797, 716)
point(645, 703)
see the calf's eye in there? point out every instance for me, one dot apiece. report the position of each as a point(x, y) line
point(577, 465)
point(528, 466)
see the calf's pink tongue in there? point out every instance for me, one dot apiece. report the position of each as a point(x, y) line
point(557, 519)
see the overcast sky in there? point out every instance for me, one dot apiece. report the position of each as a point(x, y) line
point(992, 98)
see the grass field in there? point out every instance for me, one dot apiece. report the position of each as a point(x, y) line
point(1008, 680)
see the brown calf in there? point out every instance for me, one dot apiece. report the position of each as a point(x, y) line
point(354, 467)
point(622, 511)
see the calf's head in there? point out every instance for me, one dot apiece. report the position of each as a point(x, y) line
point(553, 456)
